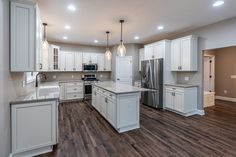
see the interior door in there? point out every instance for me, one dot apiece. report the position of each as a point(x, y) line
point(124, 70)
point(175, 55)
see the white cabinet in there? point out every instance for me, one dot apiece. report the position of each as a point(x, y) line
point(54, 58)
point(24, 41)
point(71, 90)
point(181, 100)
point(34, 128)
point(101, 62)
point(120, 110)
point(89, 58)
point(184, 54)
point(71, 61)
point(155, 50)
point(78, 61)
point(141, 57)
point(107, 66)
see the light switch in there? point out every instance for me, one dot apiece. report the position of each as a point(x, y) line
point(233, 76)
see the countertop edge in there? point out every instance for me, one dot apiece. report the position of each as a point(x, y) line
point(117, 92)
point(33, 101)
point(181, 86)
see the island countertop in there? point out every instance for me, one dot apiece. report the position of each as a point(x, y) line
point(118, 88)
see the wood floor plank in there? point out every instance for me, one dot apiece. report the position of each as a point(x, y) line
point(84, 133)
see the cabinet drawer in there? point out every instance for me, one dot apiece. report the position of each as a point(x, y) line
point(74, 89)
point(74, 95)
point(74, 84)
point(177, 89)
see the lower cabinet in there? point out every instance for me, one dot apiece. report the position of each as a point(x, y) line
point(34, 128)
point(181, 100)
point(71, 91)
point(120, 110)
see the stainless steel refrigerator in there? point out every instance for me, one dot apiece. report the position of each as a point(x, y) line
point(152, 79)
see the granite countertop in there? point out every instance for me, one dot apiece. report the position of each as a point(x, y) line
point(118, 88)
point(45, 92)
point(181, 85)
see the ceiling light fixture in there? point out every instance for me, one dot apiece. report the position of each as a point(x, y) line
point(108, 53)
point(95, 41)
point(136, 38)
point(218, 3)
point(160, 27)
point(121, 50)
point(65, 37)
point(45, 42)
point(71, 7)
point(67, 27)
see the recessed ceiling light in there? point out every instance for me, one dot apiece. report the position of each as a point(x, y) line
point(160, 27)
point(136, 38)
point(65, 37)
point(71, 7)
point(67, 27)
point(95, 41)
point(218, 3)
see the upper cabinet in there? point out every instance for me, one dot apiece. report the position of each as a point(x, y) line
point(184, 54)
point(141, 57)
point(89, 58)
point(25, 36)
point(54, 58)
point(154, 50)
point(71, 61)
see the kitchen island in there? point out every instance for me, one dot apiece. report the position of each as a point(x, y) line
point(118, 104)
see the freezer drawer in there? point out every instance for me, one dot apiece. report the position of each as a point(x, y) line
point(152, 98)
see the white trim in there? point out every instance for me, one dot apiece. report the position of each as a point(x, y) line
point(10, 155)
point(225, 98)
point(200, 112)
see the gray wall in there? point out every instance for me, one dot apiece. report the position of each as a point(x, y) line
point(131, 50)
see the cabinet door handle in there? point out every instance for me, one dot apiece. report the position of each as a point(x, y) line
point(41, 66)
point(118, 79)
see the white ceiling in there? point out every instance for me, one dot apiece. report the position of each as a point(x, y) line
point(93, 17)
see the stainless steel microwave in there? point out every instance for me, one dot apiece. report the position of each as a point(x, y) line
point(90, 67)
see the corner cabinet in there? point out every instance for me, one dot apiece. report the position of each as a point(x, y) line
point(26, 36)
point(181, 100)
point(34, 128)
point(184, 54)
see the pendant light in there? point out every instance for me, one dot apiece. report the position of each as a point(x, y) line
point(121, 50)
point(45, 42)
point(108, 52)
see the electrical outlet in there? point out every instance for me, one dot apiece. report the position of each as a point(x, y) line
point(186, 78)
point(225, 91)
point(101, 76)
point(72, 76)
point(54, 77)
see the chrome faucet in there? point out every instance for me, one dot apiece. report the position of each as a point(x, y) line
point(36, 82)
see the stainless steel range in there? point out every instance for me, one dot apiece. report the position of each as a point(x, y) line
point(89, 80)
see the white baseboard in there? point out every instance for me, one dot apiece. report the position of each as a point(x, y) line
point(200, 112)
point(225, 98)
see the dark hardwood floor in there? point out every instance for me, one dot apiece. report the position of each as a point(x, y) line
point(84, 133)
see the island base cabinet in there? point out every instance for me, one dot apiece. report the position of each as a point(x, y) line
point(120, 110)
point(128, 112)
point(34, 128)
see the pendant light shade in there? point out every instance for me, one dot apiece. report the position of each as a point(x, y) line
point(45, 42)
point(108, 53)
point(121, 50)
